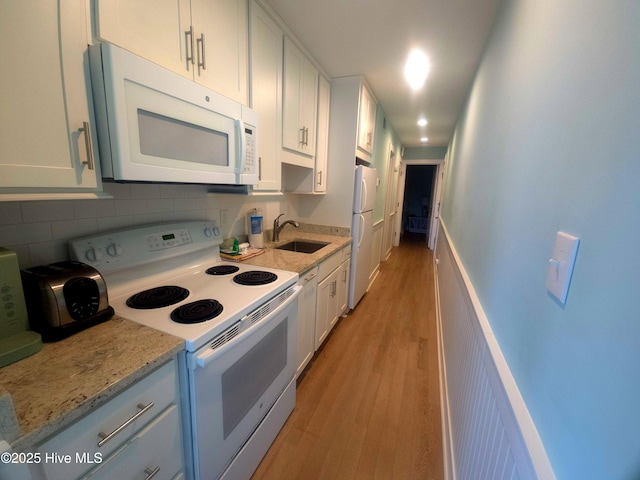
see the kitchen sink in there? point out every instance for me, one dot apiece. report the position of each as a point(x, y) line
point(302, 246)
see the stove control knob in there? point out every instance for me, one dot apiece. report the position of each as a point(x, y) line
point(212, 231)
point(114, 250)
point(94, 254)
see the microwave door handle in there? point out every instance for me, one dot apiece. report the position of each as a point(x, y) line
point(240, 161)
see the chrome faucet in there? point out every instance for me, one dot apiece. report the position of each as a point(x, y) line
point(277, 227)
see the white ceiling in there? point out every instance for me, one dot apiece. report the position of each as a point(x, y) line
point(374, 38)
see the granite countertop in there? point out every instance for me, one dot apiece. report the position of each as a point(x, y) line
point(44, 392)
point(296, 261)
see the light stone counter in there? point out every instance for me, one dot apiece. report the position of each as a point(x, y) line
point(67, 379)
point(296, 261)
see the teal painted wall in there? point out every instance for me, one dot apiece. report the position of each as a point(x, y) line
point(424, 153)
point(549, 140)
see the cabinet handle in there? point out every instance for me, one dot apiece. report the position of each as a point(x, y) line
point(310, 277)
point(87, 145)
point(259, 168)
point(200, 43)
point(106, 437)
point(304, 134)
point(320, 177)
point(151, 473)
point(188, 41)
point(344, 280)
point(369, 138)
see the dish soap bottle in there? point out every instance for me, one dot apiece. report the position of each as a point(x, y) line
point(256, 237)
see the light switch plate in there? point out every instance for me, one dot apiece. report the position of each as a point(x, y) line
point(561, 265)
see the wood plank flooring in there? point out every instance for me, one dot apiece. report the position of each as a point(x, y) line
point(368, 407)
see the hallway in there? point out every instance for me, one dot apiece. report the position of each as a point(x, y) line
point(369, 405)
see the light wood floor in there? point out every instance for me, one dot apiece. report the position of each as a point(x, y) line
point(368, 407)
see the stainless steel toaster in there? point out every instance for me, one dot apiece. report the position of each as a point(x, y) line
point(64, 298)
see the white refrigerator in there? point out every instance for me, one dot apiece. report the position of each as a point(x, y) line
point(362, 232)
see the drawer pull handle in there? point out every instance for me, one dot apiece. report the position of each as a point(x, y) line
point(106, 437)
point(151, 473)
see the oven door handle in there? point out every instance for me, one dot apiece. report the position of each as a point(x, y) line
point(211, 354)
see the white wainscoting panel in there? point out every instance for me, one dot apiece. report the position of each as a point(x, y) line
point(488, 431)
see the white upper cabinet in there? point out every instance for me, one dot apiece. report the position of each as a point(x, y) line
point(266, 95)
point(45, 141)
point(322, 137)
point(221, 32)
point(205, 40)
point(299, 104)
point(366, 123)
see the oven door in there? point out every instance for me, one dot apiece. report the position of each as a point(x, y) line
point(237, 378)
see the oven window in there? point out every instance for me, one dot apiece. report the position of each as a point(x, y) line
point(247, 379)
point(166, 137)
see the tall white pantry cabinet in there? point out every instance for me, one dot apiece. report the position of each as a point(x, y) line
point(46, 141)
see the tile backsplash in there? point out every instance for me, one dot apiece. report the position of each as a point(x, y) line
point(39, 230)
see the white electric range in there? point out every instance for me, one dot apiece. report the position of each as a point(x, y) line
point(238, 322)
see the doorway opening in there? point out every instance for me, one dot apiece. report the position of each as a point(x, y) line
point(420, 188)
point(417, 202)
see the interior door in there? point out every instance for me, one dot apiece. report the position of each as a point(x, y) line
point(390, 204)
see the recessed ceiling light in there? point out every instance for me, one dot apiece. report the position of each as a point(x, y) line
point(422, 122)
point(424, 139)
point(416, 69)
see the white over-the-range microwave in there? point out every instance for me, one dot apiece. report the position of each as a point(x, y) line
point(156, 126)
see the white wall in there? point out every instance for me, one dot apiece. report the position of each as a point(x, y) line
point(548, 141)
point(39, 230)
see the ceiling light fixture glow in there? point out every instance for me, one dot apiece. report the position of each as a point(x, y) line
point(422, 122)
point(416, 69)
point(424, 139)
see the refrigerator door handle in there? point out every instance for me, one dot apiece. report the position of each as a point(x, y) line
point(361, 220)
point(363, 195)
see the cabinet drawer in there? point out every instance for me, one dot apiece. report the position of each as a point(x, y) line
point(159, 388)
point(158, 447)
point(346, 252)
point(330, 264)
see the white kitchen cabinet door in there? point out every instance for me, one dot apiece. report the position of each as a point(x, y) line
point(266, 96)
point(221, 33)
point(322, 137)
point(366, 121)
point(300, 101)
point(205, 40)
point(45, 140)
point(306, 319)
point(326, 306)
point(158, 30)
point(343, 287)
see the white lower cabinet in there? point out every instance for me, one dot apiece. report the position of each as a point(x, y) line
point(343, 286)
point(156, 450)
point(306, 318)
point(132, 435)
point(331, 301)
